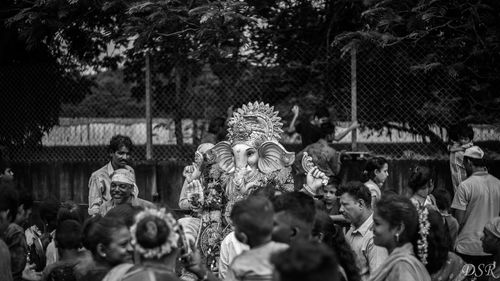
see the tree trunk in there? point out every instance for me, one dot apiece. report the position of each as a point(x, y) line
point(178, 107)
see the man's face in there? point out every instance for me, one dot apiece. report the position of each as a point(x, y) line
point(23, 216)
point(120, 158)
point(282, 229)
point(350, 208)
point(121, 192)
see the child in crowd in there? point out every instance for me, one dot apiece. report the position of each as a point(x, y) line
point(68, 241)
point(329, 198)
point(253, 221)
point(374, 176)
point(293, 217)
point(461, 136)
point(443, 202)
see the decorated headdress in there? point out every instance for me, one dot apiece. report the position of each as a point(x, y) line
point(254, 123)
point(160, 250)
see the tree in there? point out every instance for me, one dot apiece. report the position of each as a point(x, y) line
point(32, 82)
point(436, 40)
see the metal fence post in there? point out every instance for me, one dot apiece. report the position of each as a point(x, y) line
point(354, 97)
point(149, 129)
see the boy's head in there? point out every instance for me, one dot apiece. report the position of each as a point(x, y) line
point(329, 193)
point(461, 133)
point(253, 220)
point(443, 199)
point(69, 210)
point(293, 217)
point(6, 173)
point(69, 235)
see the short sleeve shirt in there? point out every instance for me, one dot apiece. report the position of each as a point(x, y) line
point(479, 197)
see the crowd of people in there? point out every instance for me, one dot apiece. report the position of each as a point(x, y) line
point(355, 231)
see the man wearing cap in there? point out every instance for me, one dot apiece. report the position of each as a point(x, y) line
point(476, 202)
point(122, 187)
point(491, 244)
point(100, 181)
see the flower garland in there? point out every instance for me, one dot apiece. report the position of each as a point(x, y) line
point(172, 239)
point(424, 227)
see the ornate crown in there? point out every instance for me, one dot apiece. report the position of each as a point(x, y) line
point(255, 122)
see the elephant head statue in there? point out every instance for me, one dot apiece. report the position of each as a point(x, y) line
point(252, 151)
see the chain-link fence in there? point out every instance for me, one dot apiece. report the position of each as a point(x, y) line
point(402, 106)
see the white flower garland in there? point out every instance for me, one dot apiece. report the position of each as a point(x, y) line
point(172, 239)
point(424, 227)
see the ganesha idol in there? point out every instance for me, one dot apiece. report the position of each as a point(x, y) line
point(230, 171)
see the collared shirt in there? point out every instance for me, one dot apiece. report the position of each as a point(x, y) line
point(368, 256)
point(108, 205)
point(255, 264)
point(100, 186)
point(229, 249)
point(479, 197)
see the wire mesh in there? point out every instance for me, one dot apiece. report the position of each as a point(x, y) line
point(401, 105)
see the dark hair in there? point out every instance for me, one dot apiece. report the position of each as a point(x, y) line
point(443, 198)
point(334, 238)
point(254, 217)
point(49, 209)
point(25, 199)
point(125, 212)
point(358, 190)
point(268, 190)
point(461, 130)
point(216, 124)
point(438, 243)
point(149, 239)
point(99, 230)
point(118, 141)
point(9, 202)
point(375, 163)
point(306, 261)
point(419, 178)
point(321, 112)
point(69, 234)
point(396, 209)
point(69, 210)
point(297, 204)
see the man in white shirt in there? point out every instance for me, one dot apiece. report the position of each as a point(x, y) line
point(355, 206)
point(476, 202)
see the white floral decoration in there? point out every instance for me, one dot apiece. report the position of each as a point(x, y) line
point(424, 227)
point(172, 239)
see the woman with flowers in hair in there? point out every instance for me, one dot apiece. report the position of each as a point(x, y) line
point(397, 228)
point(421, 184)
point(155, 238)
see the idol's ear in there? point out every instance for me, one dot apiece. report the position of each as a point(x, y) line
point(224, 156)
point(273, 157)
